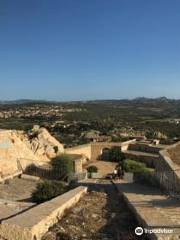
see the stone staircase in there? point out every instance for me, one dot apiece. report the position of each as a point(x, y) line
point(152, 209)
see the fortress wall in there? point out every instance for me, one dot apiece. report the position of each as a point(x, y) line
point(84, 150)
point(35, 222)
point(167, 172)
point(149, 160)
point(125, 145)
point(144, 148)
point(98, 147)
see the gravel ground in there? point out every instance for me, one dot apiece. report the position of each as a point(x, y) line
point(101, 214)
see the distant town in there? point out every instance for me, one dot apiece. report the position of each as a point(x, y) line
point(76, 123)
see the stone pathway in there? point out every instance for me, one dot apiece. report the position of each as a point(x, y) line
point(100, 215)
point(9, 209)
point(17, 189)
point(153, 208)
point(15, 197)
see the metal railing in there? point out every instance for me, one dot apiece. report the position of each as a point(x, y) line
point(47, 171)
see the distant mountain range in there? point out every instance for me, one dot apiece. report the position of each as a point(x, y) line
point(22, 101)
point(135, 100)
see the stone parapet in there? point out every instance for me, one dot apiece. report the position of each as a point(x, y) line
point(34, 223)
point(168, 172)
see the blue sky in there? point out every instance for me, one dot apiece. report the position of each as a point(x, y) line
point(89, 49)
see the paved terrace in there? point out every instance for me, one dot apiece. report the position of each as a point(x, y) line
point(15, 197)
point(139, 153)
point(152, 208)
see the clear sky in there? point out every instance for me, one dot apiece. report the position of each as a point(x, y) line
point(89, 49)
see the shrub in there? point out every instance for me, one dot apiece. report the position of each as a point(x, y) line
point(92, 169)
point(116, 155)
point(147, 177)
point(47, 190)
point(62, 164)
point(133, 166)
point(142, 174)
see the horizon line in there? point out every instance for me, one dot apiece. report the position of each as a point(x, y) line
point(85, 100)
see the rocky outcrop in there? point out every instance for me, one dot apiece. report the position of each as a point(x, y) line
point(12, 150)
point(19, 149)
point(43, 144)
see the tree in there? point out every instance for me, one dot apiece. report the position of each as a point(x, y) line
point(63, 164)
point(116, 155)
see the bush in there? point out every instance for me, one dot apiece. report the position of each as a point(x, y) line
point(146, 177)
point(142, 174)
point(63, 164)
point(116, 155)
point(47, 190)
point(92, 169)
point(133, 166)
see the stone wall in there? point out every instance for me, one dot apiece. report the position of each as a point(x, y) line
point(149, 159)
point(78, 165)
point(168, 173)
point(144, 148)
point(35, 222)
point(93, 150)
point(84, 150)
point(98, 147)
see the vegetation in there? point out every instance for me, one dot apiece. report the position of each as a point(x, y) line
point(116, 155)
point(133, 166)
point(146, 177)
point(142, 174)
point(63, 164)
point(153, 117)
point(92, 169)
point(47, 190)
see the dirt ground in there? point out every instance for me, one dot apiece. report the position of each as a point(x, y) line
point(101, 214)
point(104, 167)
point(17, 189)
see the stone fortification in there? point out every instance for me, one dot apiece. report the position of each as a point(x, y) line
point(35, 222)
